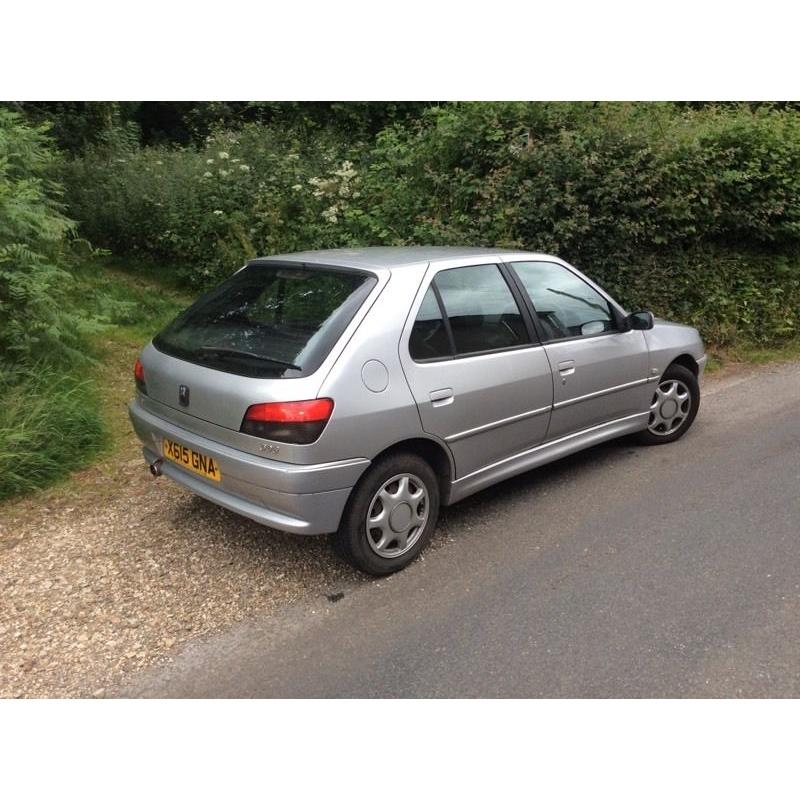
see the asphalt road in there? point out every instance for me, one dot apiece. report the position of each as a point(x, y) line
point(623, 571)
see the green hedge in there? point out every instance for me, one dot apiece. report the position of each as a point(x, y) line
point(694, 213)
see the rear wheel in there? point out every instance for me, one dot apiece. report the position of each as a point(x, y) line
point(673, 406)
point(390, 516)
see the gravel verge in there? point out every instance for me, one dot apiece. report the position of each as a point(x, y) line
point(113, 570)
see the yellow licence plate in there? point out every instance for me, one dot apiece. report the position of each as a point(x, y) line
point(191, 459)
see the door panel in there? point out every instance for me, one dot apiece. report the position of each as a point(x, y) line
point(599, 372)
point(486, 407)
point(480, 380)
point(597, 379)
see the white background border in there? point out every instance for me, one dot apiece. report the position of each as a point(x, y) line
point(401, 51)
point(400, 749)
point(409, 50)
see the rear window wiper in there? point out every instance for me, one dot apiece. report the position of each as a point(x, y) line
point(202, 352)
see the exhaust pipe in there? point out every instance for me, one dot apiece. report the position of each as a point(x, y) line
point(155, 468)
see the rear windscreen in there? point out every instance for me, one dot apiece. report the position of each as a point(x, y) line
point(268, 321)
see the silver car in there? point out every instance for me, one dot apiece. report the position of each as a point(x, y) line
point(355, 392)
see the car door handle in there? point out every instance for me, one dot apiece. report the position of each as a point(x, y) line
point(566, 367)
point(441, 397)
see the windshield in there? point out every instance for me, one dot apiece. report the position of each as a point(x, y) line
point(268, 321)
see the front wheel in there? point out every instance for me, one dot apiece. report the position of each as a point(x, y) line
point(390, 516)
point(673, 406)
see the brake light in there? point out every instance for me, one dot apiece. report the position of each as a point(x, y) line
point(296, 422)
point(138, 376)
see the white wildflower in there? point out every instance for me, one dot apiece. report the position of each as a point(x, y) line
point(209, 161)
point(224, 172)
point(207, 175)
point(244, 168)
point(223, 155)
point(297, 187)
point(218, 212)
point(346, 170)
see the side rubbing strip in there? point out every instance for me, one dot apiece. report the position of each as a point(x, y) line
point(610, 390)
point(497, 424)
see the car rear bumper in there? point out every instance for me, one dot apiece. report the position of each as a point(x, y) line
point(303, 499)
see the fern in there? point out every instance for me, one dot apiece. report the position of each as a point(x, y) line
point(35, 237)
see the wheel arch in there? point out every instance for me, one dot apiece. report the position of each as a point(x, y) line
point(686, 360)
point(434, 453)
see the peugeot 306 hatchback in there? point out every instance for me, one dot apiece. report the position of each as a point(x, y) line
point(355, 392)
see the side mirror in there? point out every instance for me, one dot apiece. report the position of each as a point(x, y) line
point(640, 321)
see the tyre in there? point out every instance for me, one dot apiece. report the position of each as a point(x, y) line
point(673, 407)
point(390, 516)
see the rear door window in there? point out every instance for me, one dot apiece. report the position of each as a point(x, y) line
point(268, 321)
point(429, 337)
point(483, 313)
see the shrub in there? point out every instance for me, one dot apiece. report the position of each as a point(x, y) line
point(203, 213)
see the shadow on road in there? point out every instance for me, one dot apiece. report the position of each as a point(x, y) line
point(532, 484)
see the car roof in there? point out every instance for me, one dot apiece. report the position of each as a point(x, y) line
point(377, 258)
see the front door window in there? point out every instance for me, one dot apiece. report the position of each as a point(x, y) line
point(566, 306)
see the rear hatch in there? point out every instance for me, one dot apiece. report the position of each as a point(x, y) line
point(261, 336)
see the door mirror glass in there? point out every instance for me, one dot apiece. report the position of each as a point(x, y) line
point(640, 320)
point(592, 327)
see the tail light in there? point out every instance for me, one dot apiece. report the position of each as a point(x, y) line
point(297, 422)
point(138, 375)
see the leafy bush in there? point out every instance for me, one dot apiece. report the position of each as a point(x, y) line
point(205, 212)
point(694, 212)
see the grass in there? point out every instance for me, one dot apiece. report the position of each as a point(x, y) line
point(139, 308)
point(54, 421)
point(726, 358)
point(49, 424)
